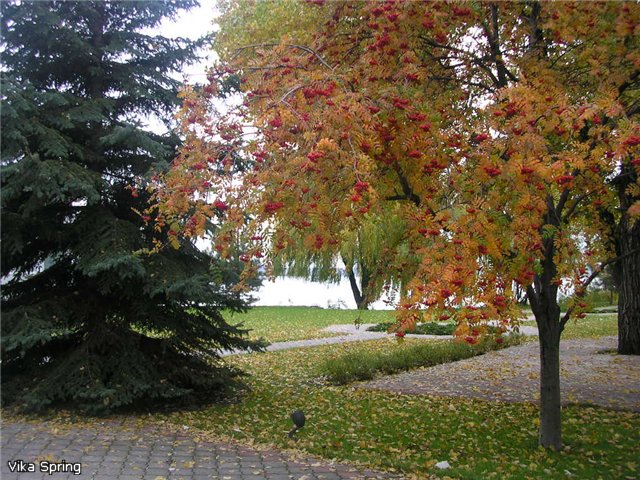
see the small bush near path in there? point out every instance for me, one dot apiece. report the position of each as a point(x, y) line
point(364, 365)
point(421, 329)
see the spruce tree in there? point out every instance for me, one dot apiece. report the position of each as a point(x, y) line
point(87, 320)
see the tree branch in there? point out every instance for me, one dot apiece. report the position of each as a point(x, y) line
point(276, 67)
point(632, 79)
point(475, 60)
point(573, 207)
point(564, 196)
point(592, 277)
point(493, 38)
point(406, 188)
point(289, 45)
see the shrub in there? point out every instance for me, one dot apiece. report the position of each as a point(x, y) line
point(365, 365)
point(421, 329)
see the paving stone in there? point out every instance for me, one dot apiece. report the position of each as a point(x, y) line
point(329, 476)
point(113, 472)
point(144, 459)
point(156, 472)
point(587, 376)
point(276, 470)
point(108, 451)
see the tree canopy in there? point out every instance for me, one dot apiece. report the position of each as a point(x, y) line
point(504, 135)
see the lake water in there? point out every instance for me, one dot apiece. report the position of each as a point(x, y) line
point(294, 291)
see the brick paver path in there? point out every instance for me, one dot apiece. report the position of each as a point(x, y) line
point(587, 376)
point(129, 450)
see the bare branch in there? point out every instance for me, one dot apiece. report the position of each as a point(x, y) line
point(290, 92)
point(406, 188)
point(289, 45)
point(564, 197)
point(592, 277)
point(575, 205)
point(276, 67)
point(633, 78)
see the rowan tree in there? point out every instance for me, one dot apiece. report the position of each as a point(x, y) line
point(504, 135)
point(86, 319)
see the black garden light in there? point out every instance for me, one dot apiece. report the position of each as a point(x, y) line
point(298, 419)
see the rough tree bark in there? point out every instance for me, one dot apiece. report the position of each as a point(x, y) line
point(550, 401)
point(543, 298)
point(547, 312)
point(629, 288)
point(627, 237)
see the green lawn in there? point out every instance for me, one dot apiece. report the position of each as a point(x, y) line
point(411, 433)
point(280, 324)
point(592, 326)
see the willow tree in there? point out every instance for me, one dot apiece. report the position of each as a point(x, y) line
point(361, 258)
point(493, 130)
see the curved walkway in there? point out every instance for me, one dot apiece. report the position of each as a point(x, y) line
point(127, 450)
point(587, 376)
point(351, 333)
point(355, 336)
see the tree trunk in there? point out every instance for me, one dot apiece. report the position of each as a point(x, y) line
point(361, 303)
point(629, 290)
point(550, 409)
point(543, 298)
point(365, 279)
point(610, 297)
